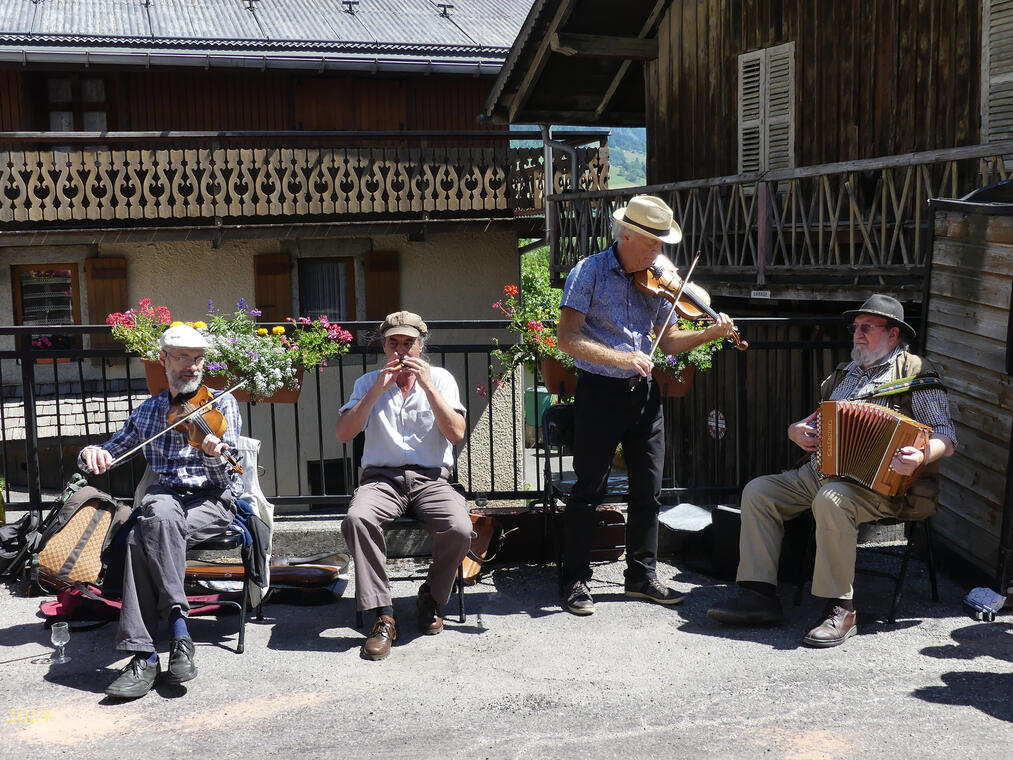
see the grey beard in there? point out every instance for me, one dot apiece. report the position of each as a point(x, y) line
point(188, 387)
point(864, 359)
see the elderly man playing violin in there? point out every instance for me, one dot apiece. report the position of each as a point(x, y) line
point(606, 324)
point(193, 500)
point(882, 371)
point(412, 417)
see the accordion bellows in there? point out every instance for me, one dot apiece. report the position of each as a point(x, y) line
point(858, 441)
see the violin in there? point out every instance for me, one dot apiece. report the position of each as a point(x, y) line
point(662, 279)
point(198, 426)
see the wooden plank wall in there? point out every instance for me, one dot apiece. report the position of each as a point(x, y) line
point(263, 100)
point(13, 112)
point(968, 312)
point(875, 78)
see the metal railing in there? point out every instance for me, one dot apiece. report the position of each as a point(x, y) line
point(729, 428)
point(112, 179)
point(847, 218)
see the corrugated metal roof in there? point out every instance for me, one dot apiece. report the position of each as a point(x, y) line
point(120, 18)
point(475, 29)
point(203, 19)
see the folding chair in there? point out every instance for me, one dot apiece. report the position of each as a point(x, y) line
point(237, 537)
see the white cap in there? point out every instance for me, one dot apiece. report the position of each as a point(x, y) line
point(182, 336)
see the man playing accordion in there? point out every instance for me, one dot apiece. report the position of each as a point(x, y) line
point(884, 372)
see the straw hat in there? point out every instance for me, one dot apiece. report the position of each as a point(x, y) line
point(649, 215)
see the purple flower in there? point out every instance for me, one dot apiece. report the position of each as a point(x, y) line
point(253, 354)
point(216, 366)
point(241, 304)
point(211, 306)
point(255, 312)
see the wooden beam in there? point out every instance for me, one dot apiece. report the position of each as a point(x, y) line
point(652, 19)
point(541, 57)
point(600, 46)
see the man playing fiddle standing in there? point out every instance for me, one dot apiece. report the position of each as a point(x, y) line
point(606, 324)
point(192, 501)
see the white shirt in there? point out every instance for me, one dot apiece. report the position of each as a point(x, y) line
point(402, 430)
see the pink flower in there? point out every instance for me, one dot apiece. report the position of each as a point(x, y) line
point(535, 325)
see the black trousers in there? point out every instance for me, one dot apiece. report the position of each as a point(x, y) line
point(608, 411)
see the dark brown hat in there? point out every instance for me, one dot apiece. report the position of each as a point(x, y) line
point(883, 306)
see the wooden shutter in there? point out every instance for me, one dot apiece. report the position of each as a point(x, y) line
point(272, 286)
point(750, 111)
point(780, 107)
point(106, 281)
point(997, 70)
point(383, 293)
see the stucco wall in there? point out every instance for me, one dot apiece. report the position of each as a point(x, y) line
point(453, 275)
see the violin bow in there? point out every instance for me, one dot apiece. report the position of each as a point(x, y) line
point(661, 332)
point(186, 417)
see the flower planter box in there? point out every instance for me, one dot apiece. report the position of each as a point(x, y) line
point(674, 386)
point(557, 377)
point(154, 373)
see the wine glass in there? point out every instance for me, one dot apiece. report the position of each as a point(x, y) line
point(60, 636)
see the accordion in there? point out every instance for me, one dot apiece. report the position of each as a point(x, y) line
point(858, 440)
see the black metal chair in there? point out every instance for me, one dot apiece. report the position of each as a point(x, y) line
point(558, 481)
point(903, 554)
point(358, 444)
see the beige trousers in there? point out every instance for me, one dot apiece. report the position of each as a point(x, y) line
point(838, 507)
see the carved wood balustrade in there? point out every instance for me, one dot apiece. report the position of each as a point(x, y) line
point(858, 218)
point(128, 180)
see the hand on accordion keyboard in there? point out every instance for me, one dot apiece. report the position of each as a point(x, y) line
point(803, 433)
point(907, 460)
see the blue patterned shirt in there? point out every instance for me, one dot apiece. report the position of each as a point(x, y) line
point(616, 313)
point(176, 462)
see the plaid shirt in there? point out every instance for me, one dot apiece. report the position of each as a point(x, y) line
point(930, 407)
point(178, 464)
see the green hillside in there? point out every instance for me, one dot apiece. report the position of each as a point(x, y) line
point(627, 153)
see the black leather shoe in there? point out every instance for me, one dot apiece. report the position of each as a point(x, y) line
point(181, 667)
point(383, 634)
point(428, 611)
point(653, 590)
point(748, 607)
point(578, 599)
point(838, 626)
point(136, 679)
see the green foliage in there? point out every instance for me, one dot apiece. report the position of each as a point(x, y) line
point(701, 357)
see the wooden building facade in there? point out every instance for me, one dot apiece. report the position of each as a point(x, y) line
point(869, 79)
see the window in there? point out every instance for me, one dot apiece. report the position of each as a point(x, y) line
point(75, 103)
point(996, 70)
point(47, 294)
point(327, 286)
point(767, 109)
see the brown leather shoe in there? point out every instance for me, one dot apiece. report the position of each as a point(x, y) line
point(430, 622)
point(839, 626)
point(377, 644)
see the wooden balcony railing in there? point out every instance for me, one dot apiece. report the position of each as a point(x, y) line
point(864, 218)
point(122, 179)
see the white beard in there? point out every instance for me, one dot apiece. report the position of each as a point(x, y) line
point(865, 358)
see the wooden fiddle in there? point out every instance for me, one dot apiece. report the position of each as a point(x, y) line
point(207, 422)
point(662, 279)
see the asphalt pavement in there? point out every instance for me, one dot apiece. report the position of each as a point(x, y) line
point(523, 679)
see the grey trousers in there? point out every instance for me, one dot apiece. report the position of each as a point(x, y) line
point(385, 494)
point(838, 507)
point(156, 557)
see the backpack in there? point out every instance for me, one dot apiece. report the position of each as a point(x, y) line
point(71, 548)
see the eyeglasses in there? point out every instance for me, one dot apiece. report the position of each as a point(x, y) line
point(187, 359)
point(865, 328)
